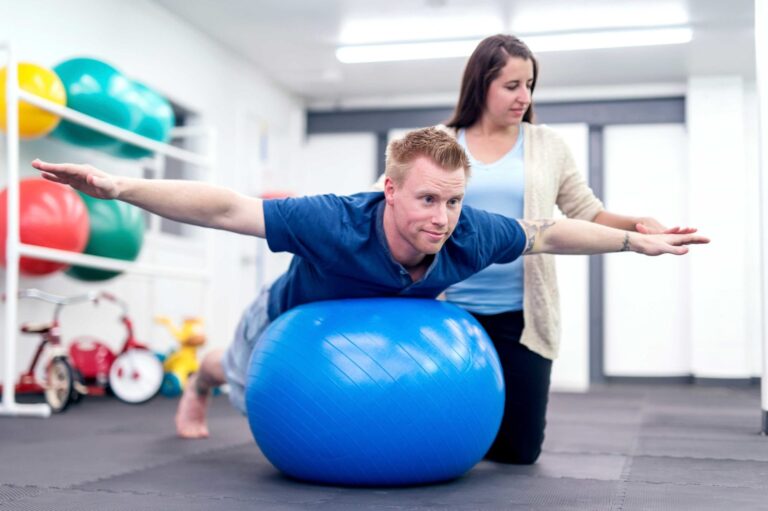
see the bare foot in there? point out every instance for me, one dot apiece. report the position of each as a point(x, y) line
point(191, 414)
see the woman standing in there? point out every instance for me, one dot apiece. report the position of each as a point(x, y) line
point(520, 170)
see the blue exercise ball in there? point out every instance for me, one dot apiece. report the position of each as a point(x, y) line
point(97, 89)
point(374, 392)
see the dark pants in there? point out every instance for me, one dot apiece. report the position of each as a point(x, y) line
point(526, 379)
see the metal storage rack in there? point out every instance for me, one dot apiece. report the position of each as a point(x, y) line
point(15, 249)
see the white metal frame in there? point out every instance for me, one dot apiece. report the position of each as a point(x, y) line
point(15, 249)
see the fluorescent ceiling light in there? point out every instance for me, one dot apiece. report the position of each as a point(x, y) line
point(418, 28)
point(537, 43)
point(577, 17)
point(608, 39)
point(406, 51)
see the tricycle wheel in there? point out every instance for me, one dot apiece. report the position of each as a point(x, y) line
point(59, 384)
point(136, 376)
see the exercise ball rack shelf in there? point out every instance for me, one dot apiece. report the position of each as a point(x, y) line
point(15, 249)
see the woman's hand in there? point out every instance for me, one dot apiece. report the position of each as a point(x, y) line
point(652, 226)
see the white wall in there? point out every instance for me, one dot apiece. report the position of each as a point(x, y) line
point(723, 195)
point(149, 44)
point(752, 267)
point(341, 164)
point(646, 322)
point(698, 315)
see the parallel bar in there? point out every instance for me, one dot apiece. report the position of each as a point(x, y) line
point(114, 131)
point(106, 263)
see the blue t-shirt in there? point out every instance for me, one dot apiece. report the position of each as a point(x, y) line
point(341, 250)
point(498, 187)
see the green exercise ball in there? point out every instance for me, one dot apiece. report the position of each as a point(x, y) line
point(97, 89)
point(157, 119)
point(116, 231)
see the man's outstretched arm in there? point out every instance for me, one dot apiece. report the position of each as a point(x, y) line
point(189, 202)
point(567, 236)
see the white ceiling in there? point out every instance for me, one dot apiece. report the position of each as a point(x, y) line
point(294, 42)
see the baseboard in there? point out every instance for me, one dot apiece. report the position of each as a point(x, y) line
point(685, 379)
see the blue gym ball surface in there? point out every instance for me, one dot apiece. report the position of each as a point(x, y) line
point(375, 392)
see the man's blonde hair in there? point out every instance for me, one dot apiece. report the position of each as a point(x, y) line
point(433, 143)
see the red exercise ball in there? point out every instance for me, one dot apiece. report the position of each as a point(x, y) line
point(50, 215)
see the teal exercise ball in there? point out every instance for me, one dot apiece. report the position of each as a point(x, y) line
point(156, 121)
point(116, 231)
point(97, 89)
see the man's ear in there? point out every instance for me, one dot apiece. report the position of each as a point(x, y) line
point(389, 190)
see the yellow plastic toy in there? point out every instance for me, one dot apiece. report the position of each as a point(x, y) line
point(34, 122)
point(182, 362)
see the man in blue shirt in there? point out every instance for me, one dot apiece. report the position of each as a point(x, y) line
point(412, 240)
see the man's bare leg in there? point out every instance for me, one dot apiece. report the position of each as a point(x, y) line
point(191, 415)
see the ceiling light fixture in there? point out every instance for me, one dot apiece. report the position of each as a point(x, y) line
point(604, 39)
point(577, 17)
point(538, 43)
point(419, 28)
point(405, 51)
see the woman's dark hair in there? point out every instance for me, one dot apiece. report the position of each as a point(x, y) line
point(483, 67)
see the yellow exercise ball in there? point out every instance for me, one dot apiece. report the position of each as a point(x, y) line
point(33, 121)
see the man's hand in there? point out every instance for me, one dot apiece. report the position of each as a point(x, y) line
point(566, 236)
point(85, 178)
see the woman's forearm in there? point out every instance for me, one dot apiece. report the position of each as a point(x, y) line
point(623, 222)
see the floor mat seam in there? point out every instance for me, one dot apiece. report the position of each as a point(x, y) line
point(152, 465)
point(662, 456)
point(166, 494)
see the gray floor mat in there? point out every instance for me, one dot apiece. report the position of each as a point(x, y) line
point(618, 447)
point(674, 497)
point(701, 472)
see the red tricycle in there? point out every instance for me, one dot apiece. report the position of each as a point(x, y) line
point(89, 367)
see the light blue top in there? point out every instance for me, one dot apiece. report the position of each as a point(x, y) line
point(497, 187)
